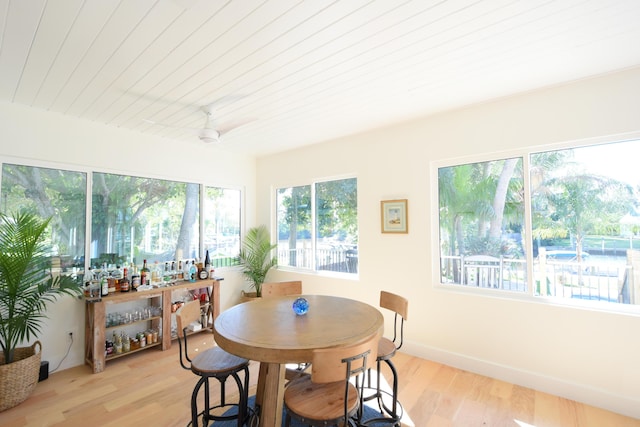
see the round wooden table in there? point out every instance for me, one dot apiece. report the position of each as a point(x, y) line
point(267, 330)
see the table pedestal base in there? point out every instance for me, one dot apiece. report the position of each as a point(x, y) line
point(270, 384)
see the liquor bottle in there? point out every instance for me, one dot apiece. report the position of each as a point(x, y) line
point(86, 279)
point(173, 270)
point(180, 271)
point(193, 272)
point(145, 274)
point(156, 273)
point(135, 278)
point(125, 285)
point(166, 275)
point(204, 272)
point(185, 272)
point(103, 280)
point(104, 286)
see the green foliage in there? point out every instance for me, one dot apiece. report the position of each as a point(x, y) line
point(255, 257)
point(26, 282)
point(472, 197)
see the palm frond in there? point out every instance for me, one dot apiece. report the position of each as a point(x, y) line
point(26, 283)
point(255, 257)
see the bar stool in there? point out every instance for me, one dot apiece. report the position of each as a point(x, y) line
point(332, 394)
point(212, 363)
point(386, 350)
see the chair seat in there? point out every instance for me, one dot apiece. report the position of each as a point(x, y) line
point(217, 361)
point(308, 399)
point(386, 349)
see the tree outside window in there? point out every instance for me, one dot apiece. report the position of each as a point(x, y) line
point(317, 226)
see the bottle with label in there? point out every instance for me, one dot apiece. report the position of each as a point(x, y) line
point(173, 273)
point(102, 278)
point(135, 278)
point(193, 272)
point(185, 271)
point(156, 273)
point(87, 278)
point(125, 285)
point(104, 286)
point(166, 275)
point(145, 274)
point(203, 273)
point(179, 271)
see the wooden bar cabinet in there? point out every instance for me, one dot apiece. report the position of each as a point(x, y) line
point(96, 329)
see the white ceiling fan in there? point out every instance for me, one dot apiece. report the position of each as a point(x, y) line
point(212, 131)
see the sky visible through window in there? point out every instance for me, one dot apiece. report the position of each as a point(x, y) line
point(617, 160)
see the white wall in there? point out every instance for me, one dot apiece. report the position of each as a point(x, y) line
point(40, 138)
point(590, 356)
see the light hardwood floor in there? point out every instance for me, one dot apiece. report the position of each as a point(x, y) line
point(150, 389)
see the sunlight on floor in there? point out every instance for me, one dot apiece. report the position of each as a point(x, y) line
point(523, 424)
point(406, 420)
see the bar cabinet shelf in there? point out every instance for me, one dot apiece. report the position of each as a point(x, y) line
point(96, 329)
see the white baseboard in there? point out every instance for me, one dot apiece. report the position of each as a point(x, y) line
point(592, 396)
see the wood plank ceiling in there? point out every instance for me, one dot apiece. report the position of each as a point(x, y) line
point(298, 72)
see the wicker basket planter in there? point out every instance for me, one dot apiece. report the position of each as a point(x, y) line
point(247, 296)
point(18, 379)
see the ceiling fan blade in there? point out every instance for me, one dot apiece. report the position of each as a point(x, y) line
point(220, 102)
point(227, 127)
point(170, 126)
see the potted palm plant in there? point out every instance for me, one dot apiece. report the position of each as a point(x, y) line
point(255, 258)
point(27, 285)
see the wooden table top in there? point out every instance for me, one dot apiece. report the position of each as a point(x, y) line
point(268, 330)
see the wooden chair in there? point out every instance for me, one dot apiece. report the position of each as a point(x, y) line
point(211, 363)
point(281, 289)
point(386, 350)
point(333, 393)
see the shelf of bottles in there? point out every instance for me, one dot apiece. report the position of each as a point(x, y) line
point(123, 322)
point(112, 279)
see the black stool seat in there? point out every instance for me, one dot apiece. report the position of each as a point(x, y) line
point(215, 361)
point(386, 349)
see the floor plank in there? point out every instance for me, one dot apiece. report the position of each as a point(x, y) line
point(150, 388)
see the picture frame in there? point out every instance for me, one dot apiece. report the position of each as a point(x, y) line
point(394, 217)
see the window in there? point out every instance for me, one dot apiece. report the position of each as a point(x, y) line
point(54, 193)
point(134, 219)
point(584, 216)
point(317, 226)
point(222, 225)
point(481, 219)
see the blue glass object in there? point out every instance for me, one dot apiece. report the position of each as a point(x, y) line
point(300, 306)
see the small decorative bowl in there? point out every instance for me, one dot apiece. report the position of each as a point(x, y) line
point(300, 306)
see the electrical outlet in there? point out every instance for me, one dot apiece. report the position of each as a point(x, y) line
point(72, 334)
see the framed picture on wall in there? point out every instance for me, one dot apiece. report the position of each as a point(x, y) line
point(394, 216)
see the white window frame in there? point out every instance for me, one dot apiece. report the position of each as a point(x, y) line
point(274, 227)
point(528, 296)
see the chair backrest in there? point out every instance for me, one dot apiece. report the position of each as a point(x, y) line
point(341, 363)
point(349, 364)
point(188, 313)
point(400, 306)
point(280, 289)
